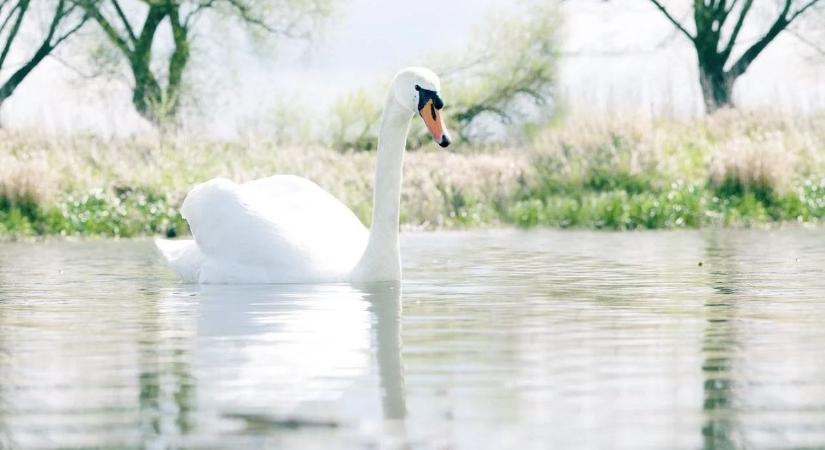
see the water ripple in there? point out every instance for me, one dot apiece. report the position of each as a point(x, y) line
point(497, 339)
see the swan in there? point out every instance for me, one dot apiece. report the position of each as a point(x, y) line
point(287, 229)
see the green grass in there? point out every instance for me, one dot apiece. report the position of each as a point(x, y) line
point(681, 205)
point(732, 169)
point(95, 213)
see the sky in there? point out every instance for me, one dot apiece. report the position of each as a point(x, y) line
point(618, 57)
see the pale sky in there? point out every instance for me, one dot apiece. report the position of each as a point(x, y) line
point(620, 57)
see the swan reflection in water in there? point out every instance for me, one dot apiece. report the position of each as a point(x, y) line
point(288, 355)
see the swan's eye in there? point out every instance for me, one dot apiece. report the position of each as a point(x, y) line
point(425, 95)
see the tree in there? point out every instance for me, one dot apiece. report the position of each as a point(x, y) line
point(718, 71)
point(64, 22)
point(499, 88)
point(354, 121)
point(506, 82)
point(156, 88)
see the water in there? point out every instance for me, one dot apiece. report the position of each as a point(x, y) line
point(505, 339)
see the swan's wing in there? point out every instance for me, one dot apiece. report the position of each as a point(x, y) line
point(283, 223)
point(183, 256)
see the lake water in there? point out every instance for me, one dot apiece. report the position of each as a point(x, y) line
point(503, 339)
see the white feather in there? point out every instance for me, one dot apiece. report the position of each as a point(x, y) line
point(281, 229)
point(286, 229)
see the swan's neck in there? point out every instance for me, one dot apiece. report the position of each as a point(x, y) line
point(382, 258)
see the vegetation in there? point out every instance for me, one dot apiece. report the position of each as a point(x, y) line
point(501, 89)
point(730, 169)
point(504, 85)
point(156, 87)
point(718, 70)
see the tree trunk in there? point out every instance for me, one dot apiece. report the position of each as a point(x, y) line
point(177, 61)
point(154, 102)
point(146, 94)
point(717, 87)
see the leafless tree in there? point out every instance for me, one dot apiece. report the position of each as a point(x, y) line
point(718, 69)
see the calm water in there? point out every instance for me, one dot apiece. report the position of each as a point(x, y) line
point(501, 339)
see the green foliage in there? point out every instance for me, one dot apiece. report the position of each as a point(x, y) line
point(354, 121)
point(464, 210)
point(569, 203)
point(502, 86)
point(580, 205)
point(290, 123)
point(123, 213)
point(158, 78)
point(735, 170)
point(500, 89)
point(680, 205)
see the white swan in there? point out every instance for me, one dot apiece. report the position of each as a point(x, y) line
point(286, 229)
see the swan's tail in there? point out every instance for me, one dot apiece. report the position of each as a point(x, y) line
point(183, 256)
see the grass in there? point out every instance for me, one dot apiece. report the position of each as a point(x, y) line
point(731, 169)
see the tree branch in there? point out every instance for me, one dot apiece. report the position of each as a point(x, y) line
point(8, 17)
point(802, 10)
point(125, 21)
point(813, 45)
point(21, 7)
point(723, 12)
point(71, 31)
point(737, 28)
point(177, 62)
point(143, 44)
point(194, 13)
point(58, 16)
point(91, 8)
point(46, 47)
point(744, 61)
point(672, 19)
point(246, 15)
point(78, 71)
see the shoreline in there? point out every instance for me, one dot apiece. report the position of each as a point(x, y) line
point(733, 169)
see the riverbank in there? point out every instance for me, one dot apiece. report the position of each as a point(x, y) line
point(733, 169)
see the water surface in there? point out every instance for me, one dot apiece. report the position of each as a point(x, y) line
point(505, 339)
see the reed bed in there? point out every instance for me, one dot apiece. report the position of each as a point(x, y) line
point(731, 169)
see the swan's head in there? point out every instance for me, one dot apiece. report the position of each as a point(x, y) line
point(417, 89)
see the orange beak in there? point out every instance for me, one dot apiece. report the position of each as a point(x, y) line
point(433, 121)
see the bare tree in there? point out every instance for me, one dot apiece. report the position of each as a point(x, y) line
point(718, 71)
point(64, 22)
point(156, 90)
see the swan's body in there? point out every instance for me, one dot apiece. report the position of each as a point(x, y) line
point(245, 235)
point(286, 229)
